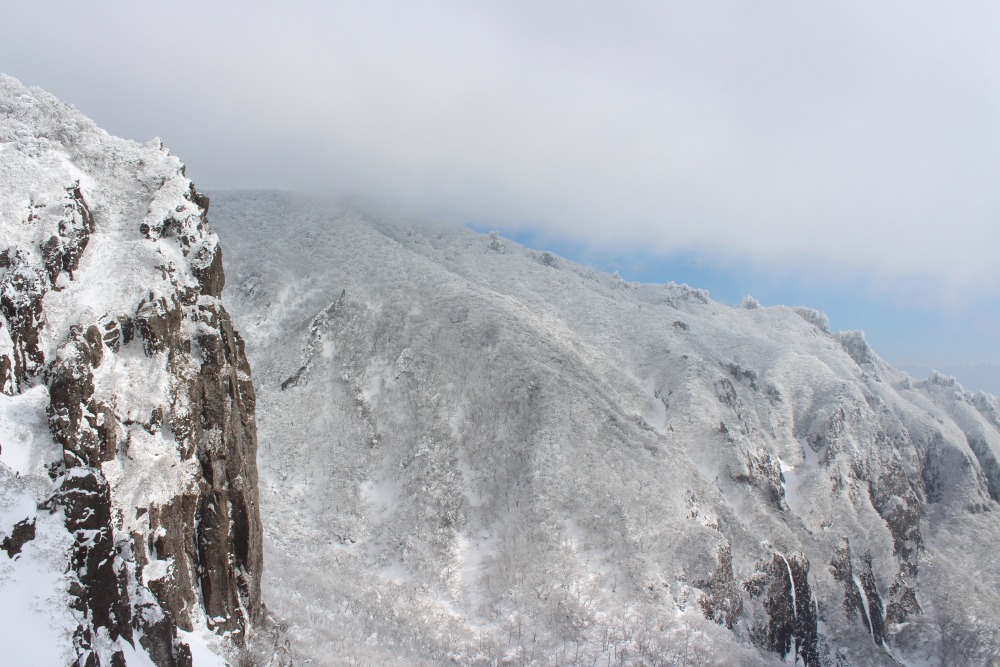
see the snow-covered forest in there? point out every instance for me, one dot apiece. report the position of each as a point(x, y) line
point(478, 452)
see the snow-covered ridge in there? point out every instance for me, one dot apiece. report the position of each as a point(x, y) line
point(127, 432)
point(497, 456)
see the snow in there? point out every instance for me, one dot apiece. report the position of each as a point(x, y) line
point(791, 587)
point(490, 456)
point(34, 613)
point(797, 480)
point(151, 472)
point(47, 149)
point(136, 656)
point(132, 383)
point(548, 445)
point(155, 569)
point(864, 605)
point(205, 648)
point(26, 445)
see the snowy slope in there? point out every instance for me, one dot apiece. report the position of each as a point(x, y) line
point(476, 452)
point(128, 511)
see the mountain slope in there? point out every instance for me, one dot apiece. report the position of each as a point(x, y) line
point(475, 452)
point(129, 516)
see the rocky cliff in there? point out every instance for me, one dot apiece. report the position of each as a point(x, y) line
point(127, 415)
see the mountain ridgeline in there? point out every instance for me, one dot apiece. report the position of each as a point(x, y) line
point(470, 452)
point(128, 477)
point(479, 453)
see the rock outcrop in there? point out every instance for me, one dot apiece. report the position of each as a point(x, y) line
point(110, 285)
point(780, 588)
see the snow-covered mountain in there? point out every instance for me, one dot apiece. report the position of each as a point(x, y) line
point(476, 453)
point(129, 519)
point(470, 452)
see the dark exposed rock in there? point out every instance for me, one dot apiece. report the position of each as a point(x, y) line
point(902, 604)
point(739, 373)
point(172, 535)
point(85, 428)
point(158, 323)
point(317, 327)
point(62, 251)
point(211, 533)
point(118, 331)
point(843, 571)
point(23, 532)
point(762, 471)
point(898, 501)
point(901, 476)
point(876, 610)
point(52, 256)
point(726, 392)
point(215, 535)
point(805, 631)
point(211, 276)
point(157, 478)
point(780, 606)
point(199, 199)
point(100, 590)
point(218, 578)
point(21, 290)
point(6, 367)
point(157, 629)
point(87, 654)
point(855, 583)
point(790, 624)
point(721, 600)
point(293, 379)
point(229, 541)
point(159, 638)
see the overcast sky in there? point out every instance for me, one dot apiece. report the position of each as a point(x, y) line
point(845, 155)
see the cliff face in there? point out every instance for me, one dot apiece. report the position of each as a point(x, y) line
point(113, 336)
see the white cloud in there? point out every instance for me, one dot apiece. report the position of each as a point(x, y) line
point(852, 137)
